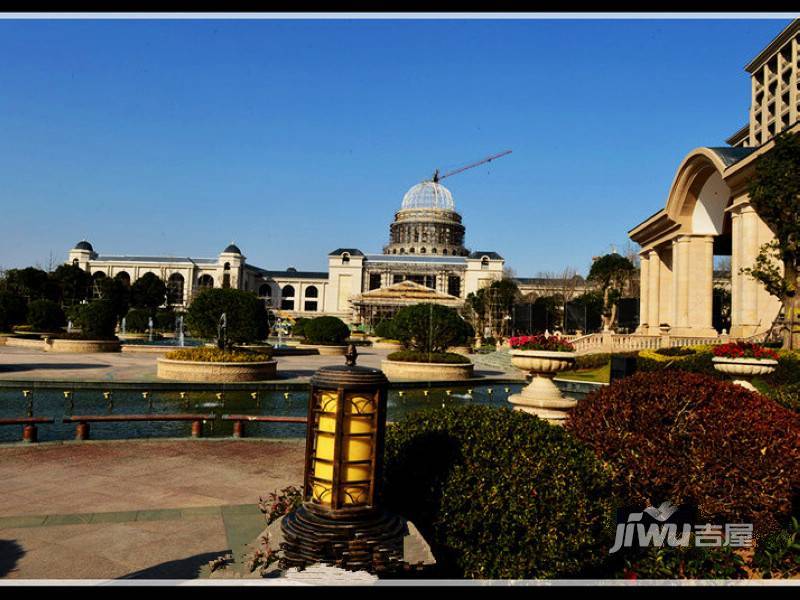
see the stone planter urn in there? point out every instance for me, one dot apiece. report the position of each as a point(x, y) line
point(542, 397)
point(742, 370)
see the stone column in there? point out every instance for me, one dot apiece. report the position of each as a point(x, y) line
point(681, 274)
point(749, 286)
point(701, 284)
point(644, 292)
point(736, 277)
point(654, 318)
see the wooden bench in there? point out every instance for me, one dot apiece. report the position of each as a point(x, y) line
point(240, 420)
point(82, 428)
point(29, 430)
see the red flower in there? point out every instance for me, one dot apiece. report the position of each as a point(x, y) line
point(744, 350)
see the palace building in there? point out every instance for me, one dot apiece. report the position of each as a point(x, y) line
point(424, 261)
point(708, 213)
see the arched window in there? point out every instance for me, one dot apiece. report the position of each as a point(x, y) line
point(422, 250)
point(287, 297)
point(226, 275)
point(265, 290)
point(485, 262)
point(411, 250)
point(311, 295)
point(346, 258)
point(97, 278)
point(75, 262)
point(402, 250)
point(434, 251)
point(124, 277)
point(175, 289)
point(205, 281)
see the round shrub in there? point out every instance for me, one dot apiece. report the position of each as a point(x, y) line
point(692, 439)
point(326, 331)
point(385, 329)
point(136, 320)
point(430, 327)
point(676, 351)
point(498, 493)
point(299, 327)
point(97, 319)
point(46, 316)
point(245, 314)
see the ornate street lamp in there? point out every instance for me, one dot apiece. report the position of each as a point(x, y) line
point(340, 521)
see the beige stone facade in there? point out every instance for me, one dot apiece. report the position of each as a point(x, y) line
point(708, 213)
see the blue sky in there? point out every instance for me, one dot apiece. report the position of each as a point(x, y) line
point(293, 138)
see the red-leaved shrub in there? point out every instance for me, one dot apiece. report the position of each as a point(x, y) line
point(693, 439)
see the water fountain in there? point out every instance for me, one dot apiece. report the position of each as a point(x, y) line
point(69, 326)
point(179, 330)
point(122, 327)
point(150, 329)
point(222, 331)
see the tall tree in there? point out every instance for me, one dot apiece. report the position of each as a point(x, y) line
point(775, 196)
point(75, 283)
point(149, 291)
point(611, 273)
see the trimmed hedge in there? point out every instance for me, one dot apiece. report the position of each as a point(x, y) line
point(429, 357)
point(299, 327)
point(698, 362)
point(689, 438)
point(498, 493)
point(326, 331)
point(46, 316)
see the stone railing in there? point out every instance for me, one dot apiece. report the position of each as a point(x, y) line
point(619, 342)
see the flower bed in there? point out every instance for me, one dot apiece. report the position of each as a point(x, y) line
point(551, 343)
point(213, 354)
point(429, 357)
point(413, 365)
point(744, 350)
point(215, 365)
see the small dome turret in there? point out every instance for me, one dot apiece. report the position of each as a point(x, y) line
point(83, 245)
point(232, 249)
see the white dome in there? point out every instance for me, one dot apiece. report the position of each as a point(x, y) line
point(428, 194)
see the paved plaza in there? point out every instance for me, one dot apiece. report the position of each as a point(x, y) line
point(25, 364)
point(135, 509)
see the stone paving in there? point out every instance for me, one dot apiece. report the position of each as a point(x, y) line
point(141, 508)
point(25, 364)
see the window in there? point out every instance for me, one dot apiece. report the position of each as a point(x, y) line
point(287, 297)
point(454, 285)
point(97, 278)
point(175, 289)
point(397, 278)
point(311, 295)
point(346, 258)
point(265, 291)
point(205, 281)
point(485, 262)
point(374, 281)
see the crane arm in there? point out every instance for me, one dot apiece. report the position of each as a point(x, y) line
point(437, 177)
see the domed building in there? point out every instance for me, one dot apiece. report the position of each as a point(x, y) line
point(424, 261)
point(427, 223)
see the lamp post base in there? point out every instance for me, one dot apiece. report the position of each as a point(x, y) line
point(377, 542)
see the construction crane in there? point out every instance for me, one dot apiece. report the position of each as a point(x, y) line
point(437, 177)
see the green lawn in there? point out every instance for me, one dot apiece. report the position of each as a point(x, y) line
point(598, 375)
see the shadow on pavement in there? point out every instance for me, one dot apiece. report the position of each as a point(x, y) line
point(51, 366)
point(10, 553)
point(184, 568)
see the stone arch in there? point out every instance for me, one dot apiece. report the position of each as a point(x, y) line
point(698, 194)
